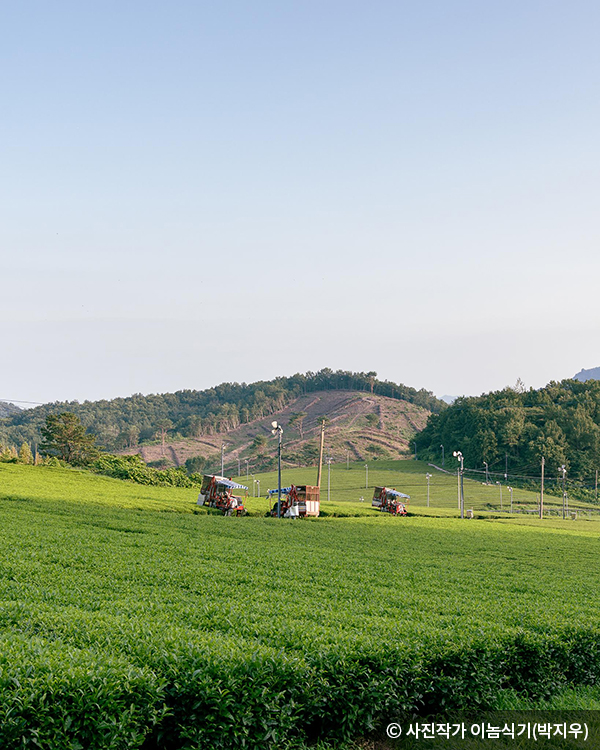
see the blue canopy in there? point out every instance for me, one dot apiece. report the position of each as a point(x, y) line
point(284, 491)
point(230, 483)
point(395, 493)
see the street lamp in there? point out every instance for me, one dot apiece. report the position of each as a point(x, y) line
point(428, 477)
point(500, 485)
point(510, 489)
point(487, 476)
point(461, 471)
point(442, 447)
point(563, 469)
point(367, 479)
point(278, 430)
point(328, 460)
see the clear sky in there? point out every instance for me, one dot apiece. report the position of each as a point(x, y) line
point(197, 192)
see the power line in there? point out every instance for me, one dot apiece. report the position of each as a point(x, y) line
point(20, 401)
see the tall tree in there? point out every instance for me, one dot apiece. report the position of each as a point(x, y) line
point(66, 438)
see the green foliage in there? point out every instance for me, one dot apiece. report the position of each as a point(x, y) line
point(560, 422)
point(65, 438)
point(134, 469)
point(122, 422)
point(196, 464)
point(372, 420)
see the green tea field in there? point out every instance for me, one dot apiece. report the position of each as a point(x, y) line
point(130, 618)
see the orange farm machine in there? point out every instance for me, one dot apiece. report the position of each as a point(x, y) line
point(296, 501)
point(390, 501)
point(217, 492)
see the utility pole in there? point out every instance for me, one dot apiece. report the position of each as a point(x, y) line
point(428, 477)
point(328, 460)
point(542, 489)
point(246, 468)
point(506, 467)
point(564, 482)
point(222, 459)
point(487, 476)
point(510, 489)
point(500, 485)
point(461, 471)
point(442, 447)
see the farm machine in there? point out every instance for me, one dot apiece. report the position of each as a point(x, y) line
point(216, 492)
point(389, 500)
point(296, 501)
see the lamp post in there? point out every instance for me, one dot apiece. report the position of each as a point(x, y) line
point(222, 459)
point(500, 485)
point(428, 477)
point(442, 447)
point(367, 478)
point(563, 469)
point(487, 476)
point(459, 455)
point(328, 460)
point(510, 489)
point(278, 430)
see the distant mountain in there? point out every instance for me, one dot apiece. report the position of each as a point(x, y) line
point(583, 375)
point(7, 409)
point(449, 399)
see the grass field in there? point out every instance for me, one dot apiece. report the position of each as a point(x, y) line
point(126, 628)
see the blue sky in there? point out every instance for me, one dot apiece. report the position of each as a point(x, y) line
point(195, 192)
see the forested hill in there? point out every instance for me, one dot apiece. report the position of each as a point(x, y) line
point(560, 422)
point(126, 421)
point(7, 409)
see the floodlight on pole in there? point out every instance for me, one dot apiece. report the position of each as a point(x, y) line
point(278, 430)
point(487, 475)
point(563, 470)
point(328, 460)
point(459, 456)
point(500, 485)
point(428, 477)
point(442, 447)
point(510, 489)
point(367, 476)
point(222, 459)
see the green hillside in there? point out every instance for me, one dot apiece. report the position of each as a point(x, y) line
point(512, 430)
point(131, 621)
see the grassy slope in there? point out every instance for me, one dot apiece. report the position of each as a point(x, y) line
point(89, 577)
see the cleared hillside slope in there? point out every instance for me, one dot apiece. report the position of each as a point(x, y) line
point(355, 421)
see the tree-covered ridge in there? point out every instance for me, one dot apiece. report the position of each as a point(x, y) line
point(516, 427)
point(123, 422)
point(7, 409)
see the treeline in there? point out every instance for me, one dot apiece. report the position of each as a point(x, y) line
point(127, 422)
point(513, 428)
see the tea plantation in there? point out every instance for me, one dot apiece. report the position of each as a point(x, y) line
point(129, 621)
